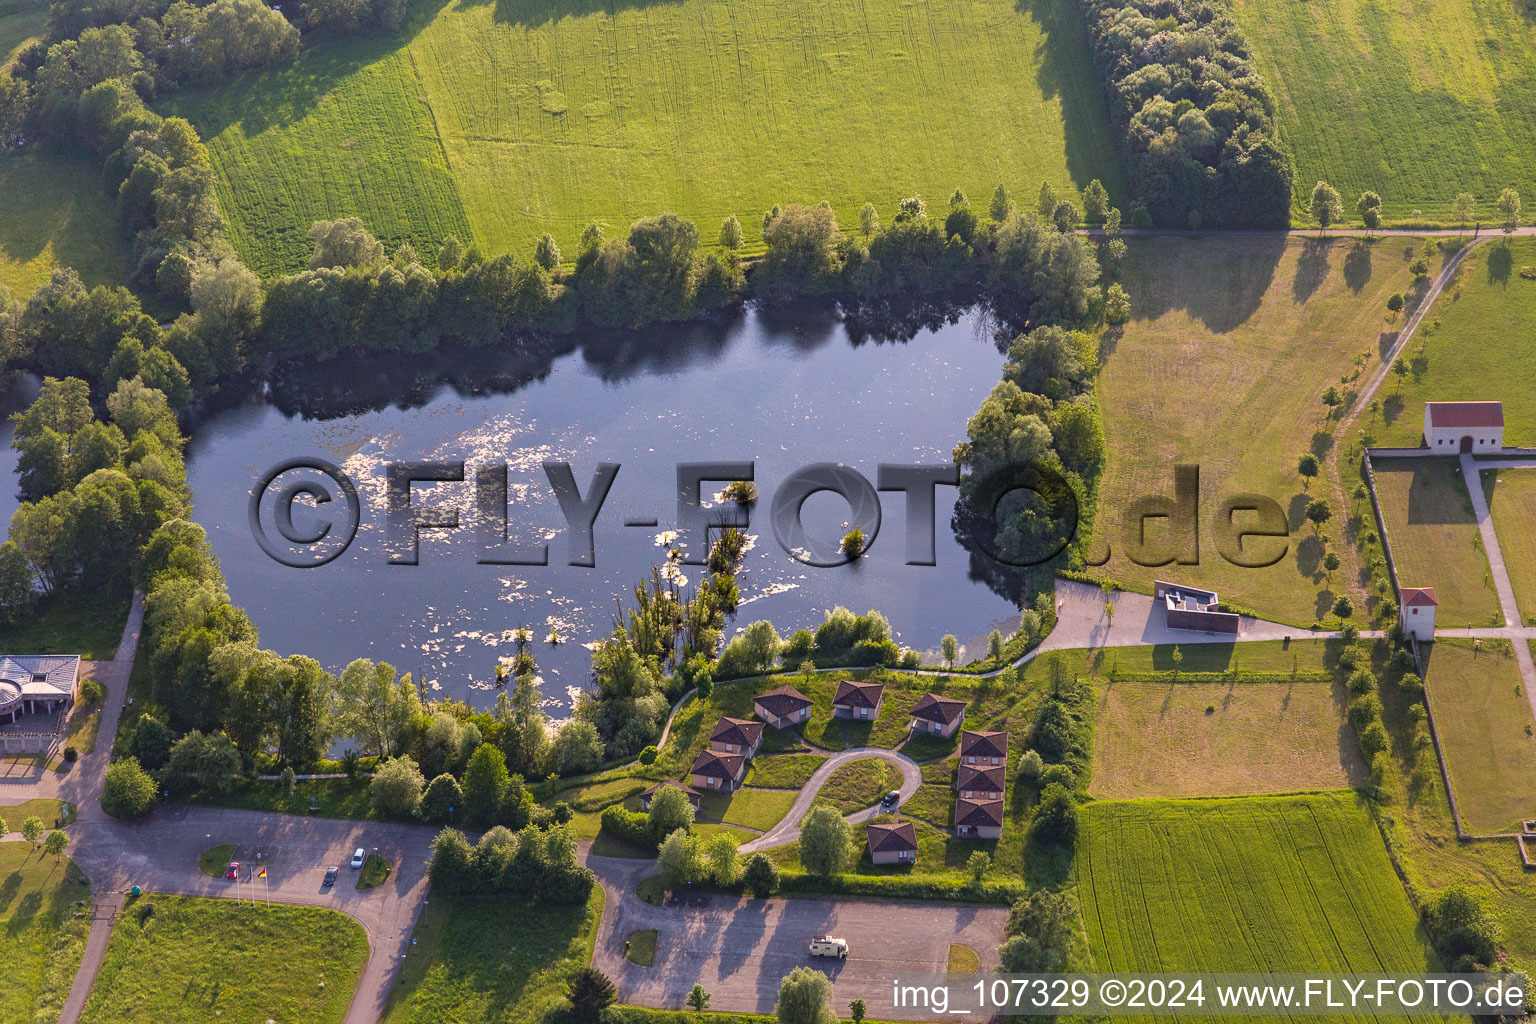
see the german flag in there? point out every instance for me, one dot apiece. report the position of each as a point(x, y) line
point(262, 873)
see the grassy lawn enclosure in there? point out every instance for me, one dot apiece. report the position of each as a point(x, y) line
point(1475, 346)
point(1415, 99)
point(758, 809)
point(640, 947)
point(783, 771)
point(1250, 331)
point(1435, 540)
point(40, 938)
point(477, 960)
point(1483, 717)
point(55, 215)
point(963, 960)
point(500, 122)
point(860, 784)
point(375, 871)
point(174, 959)
point(1222, 739)
point(214, 861)
point(54, 813)
point(1297, 883)
point(1511, 495)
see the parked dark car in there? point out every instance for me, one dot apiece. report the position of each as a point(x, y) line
point(891, 799)
point(330, 876)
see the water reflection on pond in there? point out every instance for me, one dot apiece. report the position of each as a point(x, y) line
point(782, 393)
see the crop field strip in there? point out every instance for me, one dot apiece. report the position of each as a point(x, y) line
point(500, 122)
point(1415, 99)
point(1271, 883)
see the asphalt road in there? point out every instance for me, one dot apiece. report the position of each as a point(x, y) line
point(739, 949)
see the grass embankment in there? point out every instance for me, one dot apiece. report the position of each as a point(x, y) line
point(41, 940)
point(55, 215)
point(476, 959)
point(177, 958)
point(1435, 540)
point(613, 114)
point(1232, 343)
point(1476, 347)
point(1485, 727)
point(1511, 495)
point(1284, 883)
point(1417, 100)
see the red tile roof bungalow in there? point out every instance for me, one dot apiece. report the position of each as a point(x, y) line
point(984, 748)
point(782, 708)
point(688, 791)
point(855, 699)
point(1462, 428)
point(938, 716)
point(892, 844)
point(978, 819)
point(736, 736)
point(973, 782)
point(719, 772)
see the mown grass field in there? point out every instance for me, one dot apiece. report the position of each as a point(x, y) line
point(1222, 739)
point(499, 122)
point(1435, 540)
point(40, 939)
point(193, 959)
point(1232, 343)
point(1298, 883)
point(1476, 346)
point(1482, 716)
point(1414, 99)
point(1511, 495)
point(344, 132)
point(482, 960)
point(55, 215)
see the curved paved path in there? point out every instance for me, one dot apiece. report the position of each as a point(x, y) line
point(788, 828)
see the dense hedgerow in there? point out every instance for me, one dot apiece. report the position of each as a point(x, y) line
point(1197, 121)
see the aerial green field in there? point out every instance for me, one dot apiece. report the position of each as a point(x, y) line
point(498, 122)
point(1253, 884)
point(177, 958)
point(55, 214)
point(1476, 346)
point(39, 937)
point(1414, 99)
point(1511, 498)
point(1482, 716)
point(1217, 739)
point(344, 132)
point(1232, 344)
point(481, 960)
point(1435, 541)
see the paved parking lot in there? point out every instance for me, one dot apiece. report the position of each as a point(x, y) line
point(739, 949)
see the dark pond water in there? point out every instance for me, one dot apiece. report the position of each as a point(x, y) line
point(785, 394)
